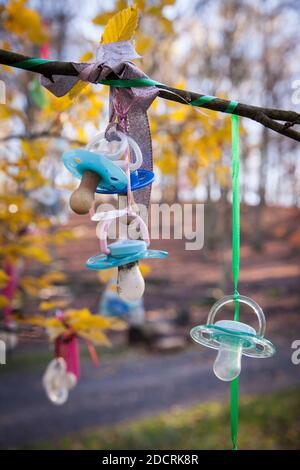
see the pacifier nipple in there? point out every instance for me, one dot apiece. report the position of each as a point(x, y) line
point(83, 197)
point(227, 365)
point(130, 284)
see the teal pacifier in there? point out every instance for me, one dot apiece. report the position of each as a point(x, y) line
point(123, 252)
point(233, 338)
point(95, 171)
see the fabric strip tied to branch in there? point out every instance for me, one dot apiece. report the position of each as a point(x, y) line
point(114, 58)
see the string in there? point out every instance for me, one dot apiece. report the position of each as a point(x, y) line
point(235, 168)
point(123, 124)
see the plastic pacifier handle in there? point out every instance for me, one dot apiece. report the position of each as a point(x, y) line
point(111, 155)
point(107, 218)
point(244, 300)
point(115, 156)
point(138, 156)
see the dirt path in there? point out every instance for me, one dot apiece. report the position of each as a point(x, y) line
point(127, 389)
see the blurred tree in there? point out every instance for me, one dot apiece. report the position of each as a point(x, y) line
point(34, 127)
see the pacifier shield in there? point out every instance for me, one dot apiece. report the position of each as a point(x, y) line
point(113, 180)
point(123, 248)
point(102, 261)
point(138, 179)
point(214, 335)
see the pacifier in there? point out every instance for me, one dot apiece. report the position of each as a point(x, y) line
point(101, 169)
point(139, 178)
point(123, 253)
point(233, 339)
point(57, 381)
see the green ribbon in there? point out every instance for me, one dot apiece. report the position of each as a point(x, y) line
point(208, 98)
point(29, 64)
point(202, 100)
point(130, 83)
point(235, 167)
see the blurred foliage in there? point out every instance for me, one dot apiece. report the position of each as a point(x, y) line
point(202, 426)
point(81, 322)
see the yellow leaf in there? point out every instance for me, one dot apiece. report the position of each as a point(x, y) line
point(106, 275)
point(145, 269)
point(86, 57)
point(143, 42)
point(96, 337)
point(102, 18)
point(4, 278)
point(37, 253)
point(81, 134)
point(77, 89)
point(58, 304)
point(30, 285)
point(121, 26)
point(3, 301)
point(54, 276)
point(24, 22)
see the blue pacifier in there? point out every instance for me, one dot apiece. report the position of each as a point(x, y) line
point(138, 179)
point(102, 170)
point(233, 338)
point(111, 177)
point(123, 252)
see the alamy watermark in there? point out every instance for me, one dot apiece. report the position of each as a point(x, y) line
point(296, 354)
point(2, 92)
point(164, 221)
point(2, 352)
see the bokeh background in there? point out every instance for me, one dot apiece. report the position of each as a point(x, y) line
point(154, 389)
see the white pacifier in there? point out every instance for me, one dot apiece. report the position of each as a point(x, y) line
point(57, 381)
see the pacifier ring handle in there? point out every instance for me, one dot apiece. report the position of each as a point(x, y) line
point(105, 224)
point(101, 136)
point(126, 141)
point(244, 300)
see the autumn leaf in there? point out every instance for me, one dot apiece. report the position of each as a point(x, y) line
point(24, 21)
point(103, 18)
point(4, 278)
point(3, 301)
point(57, 304)
point(121, 27)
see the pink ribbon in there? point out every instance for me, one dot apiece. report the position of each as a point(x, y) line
point(67, 348)
point(104, 227)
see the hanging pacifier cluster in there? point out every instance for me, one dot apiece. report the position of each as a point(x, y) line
point(113, 163)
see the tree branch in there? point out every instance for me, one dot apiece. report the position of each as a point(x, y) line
point(268, 117)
